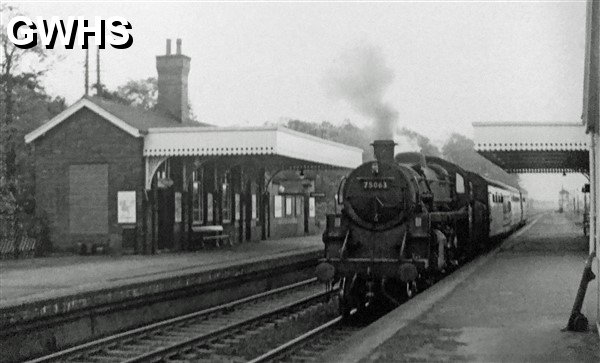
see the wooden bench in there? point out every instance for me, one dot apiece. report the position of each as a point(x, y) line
point(211, 233)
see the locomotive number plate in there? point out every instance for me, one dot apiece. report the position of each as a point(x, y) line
point(375, 184)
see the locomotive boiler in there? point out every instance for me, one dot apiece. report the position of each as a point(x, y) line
point(404, 221)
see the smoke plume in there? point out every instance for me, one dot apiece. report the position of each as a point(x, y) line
point(361, 78)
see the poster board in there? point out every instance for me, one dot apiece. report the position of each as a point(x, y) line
point(253, 206)
point(178, 207)
point(237, 207)
point(312, 211)
point(126, 213)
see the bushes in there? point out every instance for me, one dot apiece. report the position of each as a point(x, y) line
point(22, 233)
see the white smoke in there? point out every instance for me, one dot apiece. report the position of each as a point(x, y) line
point(361, 77)
point(405, 143)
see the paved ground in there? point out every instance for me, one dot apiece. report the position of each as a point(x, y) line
point(510, 308)
point(32, 279)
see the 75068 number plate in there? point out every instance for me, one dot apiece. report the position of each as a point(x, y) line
point(375, 184)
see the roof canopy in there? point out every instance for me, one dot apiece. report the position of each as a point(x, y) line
point(278, 141)
point(534, 147)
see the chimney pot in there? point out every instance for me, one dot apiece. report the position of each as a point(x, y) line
point(168, 46)
point(178, 46)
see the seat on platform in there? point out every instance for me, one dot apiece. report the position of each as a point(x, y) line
point(209, 234)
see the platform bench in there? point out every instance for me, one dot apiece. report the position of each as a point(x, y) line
point(211, 233)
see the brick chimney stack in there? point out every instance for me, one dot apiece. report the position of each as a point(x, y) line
point(173, 70)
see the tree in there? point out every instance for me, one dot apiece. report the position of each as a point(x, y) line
point(460, 150)
point(347, 133)
point(24, 106)
point(140, 93)
point(15, 75)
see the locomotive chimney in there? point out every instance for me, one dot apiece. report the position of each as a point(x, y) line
point(384, 150)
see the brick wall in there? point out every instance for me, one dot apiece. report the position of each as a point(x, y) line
point(86, 138)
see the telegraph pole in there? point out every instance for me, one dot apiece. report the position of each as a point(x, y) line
point(87, 72)
point(98, 84)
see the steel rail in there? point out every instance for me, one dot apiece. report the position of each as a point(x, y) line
point(132, 334)
point(290, 345)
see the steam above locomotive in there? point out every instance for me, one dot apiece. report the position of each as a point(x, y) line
point(405, 220)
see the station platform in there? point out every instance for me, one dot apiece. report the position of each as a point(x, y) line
point(507, 306)
point(36, 288)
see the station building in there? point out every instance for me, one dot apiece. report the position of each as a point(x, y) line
point(109, 174)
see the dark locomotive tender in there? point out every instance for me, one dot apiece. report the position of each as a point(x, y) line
point(408, 219)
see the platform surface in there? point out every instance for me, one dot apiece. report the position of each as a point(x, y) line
point(30, 280)
point(509, 306)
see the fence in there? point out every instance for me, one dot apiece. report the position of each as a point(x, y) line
point(14, 242)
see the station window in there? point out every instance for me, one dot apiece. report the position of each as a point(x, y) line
point(299, 205)
point(237, 207)
point(254, 207)
point(226, 198)
point(278, 206)
point(164, 171)
point(197, 202)
point(460, 184)
point(209, 207)
point(289, 206)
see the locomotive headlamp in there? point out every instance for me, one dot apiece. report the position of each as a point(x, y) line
point(375, 168)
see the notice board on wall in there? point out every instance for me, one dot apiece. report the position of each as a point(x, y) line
point(126, 203)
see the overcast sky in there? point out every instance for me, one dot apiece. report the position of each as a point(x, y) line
point(454, 62)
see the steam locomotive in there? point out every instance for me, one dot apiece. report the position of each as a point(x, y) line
point(408, 219)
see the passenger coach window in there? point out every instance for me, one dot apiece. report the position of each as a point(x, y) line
point(460, 184)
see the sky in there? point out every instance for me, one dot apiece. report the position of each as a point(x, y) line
point(453, 63)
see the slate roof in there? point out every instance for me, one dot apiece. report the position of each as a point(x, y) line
point(142, 119)
point(133, 120)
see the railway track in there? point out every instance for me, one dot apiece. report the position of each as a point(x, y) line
point(200, 335)
point(310, 346)
point(224, 333)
